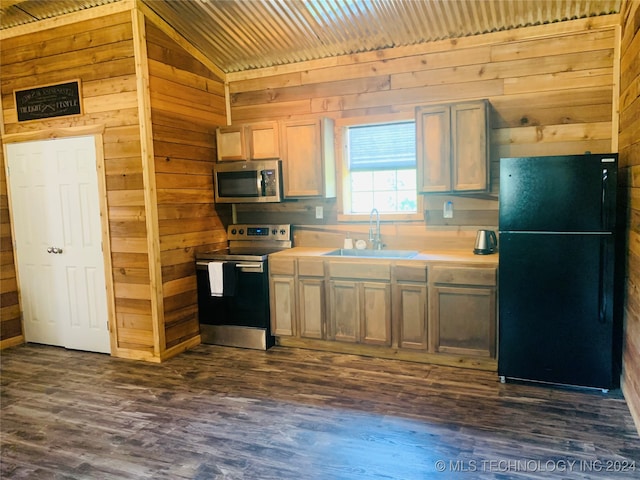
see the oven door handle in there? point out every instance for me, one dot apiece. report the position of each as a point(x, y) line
point(258, 266)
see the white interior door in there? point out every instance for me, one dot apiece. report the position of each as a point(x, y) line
point(58, 238)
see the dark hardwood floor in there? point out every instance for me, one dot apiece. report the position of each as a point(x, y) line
point(226, 413)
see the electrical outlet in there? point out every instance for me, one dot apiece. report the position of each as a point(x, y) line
point(319, 212)
point(447, 210)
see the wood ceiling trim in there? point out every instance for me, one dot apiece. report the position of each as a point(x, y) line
point(68, 19)
point(11, 3)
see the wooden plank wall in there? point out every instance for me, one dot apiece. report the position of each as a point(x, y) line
point(187, 104)
point(10, 319)
point(551, 89)
point(99, 52)
point(630, 172)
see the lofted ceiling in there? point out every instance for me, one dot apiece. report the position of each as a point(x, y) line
point(240, 35)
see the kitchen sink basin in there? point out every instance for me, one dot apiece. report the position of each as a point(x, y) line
point(369, 253)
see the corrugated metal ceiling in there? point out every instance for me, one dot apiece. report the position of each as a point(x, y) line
point(239, 35)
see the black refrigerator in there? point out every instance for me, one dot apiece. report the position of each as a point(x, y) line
point(557, 270)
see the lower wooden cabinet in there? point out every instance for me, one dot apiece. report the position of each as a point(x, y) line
point(410, 302)
point(410, 306)
point(312, 298)
point(282, 297)
point(311, 301)
point(416, 308)
point(360, 312)
point(344, 320)
point(463, 311)
point(375, 321)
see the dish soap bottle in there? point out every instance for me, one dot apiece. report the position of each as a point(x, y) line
point(348, 242)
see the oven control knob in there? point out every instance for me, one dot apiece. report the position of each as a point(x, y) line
point(233, 231)
point(274, 231)
point(283, 231)
point(241, 232)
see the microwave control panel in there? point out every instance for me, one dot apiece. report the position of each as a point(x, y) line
point(269, 183)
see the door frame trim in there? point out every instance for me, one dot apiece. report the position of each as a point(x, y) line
point(96, 131)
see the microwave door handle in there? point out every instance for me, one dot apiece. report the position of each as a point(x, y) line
point(261, 183)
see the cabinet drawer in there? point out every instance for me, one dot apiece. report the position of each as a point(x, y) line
point(281, 266)
point(310, 267)
point(464, 275)
point(410, 273)
point(371, 271)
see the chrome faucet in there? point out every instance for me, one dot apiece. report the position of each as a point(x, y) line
point(376, 241)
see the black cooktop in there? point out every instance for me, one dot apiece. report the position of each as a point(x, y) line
point(251, 243)
point(244, 254)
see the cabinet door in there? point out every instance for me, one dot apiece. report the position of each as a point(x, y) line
point(345, 311)
point(282, 300)
point(469, 133)
point(231, 143)
point(411, 308)
point(433, 138)
point(301, 158)
point(376, 315)
point(464, 320)
point(311, 298)
point(264, 140)
point(282, 296)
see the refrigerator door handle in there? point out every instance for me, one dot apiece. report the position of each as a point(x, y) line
point(602, 298)
point(604, 210)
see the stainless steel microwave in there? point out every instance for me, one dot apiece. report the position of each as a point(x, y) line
point(248, 182)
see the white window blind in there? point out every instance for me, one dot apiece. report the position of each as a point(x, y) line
point(382, 146)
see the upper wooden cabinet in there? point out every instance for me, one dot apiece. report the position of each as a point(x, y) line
point(453, 147)
point(231, 143)
point(308, 158)
point(264, 140)
point(253, 141)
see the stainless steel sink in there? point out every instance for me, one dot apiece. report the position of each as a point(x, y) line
point(369, 253)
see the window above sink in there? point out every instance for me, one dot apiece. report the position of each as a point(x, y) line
point(377, 168)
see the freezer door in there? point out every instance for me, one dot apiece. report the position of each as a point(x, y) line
point(555, 308)
point(558, 194)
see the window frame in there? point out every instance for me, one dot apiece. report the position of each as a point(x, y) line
point(343, 190)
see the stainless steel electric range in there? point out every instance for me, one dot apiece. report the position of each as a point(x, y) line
point(233, 286)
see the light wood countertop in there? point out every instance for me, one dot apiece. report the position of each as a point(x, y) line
point(439, 256)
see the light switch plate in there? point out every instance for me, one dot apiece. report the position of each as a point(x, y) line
point(319, 212)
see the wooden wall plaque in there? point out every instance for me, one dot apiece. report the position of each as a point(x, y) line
point(48, 101)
